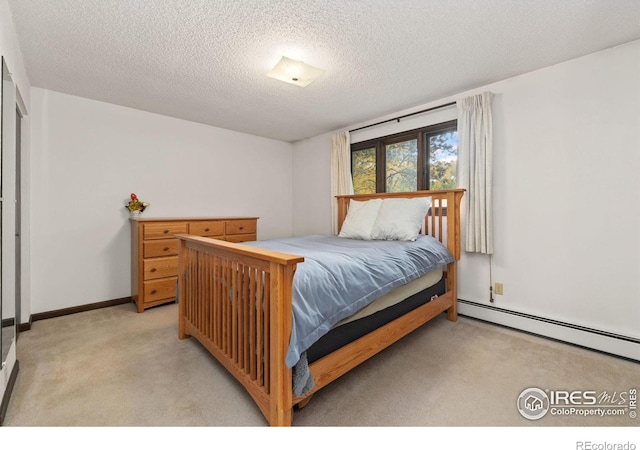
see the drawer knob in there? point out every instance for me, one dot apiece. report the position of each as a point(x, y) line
point(242, 228)
point(166, 249)
point(206, 229)
point(153, 269)
point(165, 231)
point(153, 292)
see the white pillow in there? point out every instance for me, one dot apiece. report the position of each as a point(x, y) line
point(400, 219)
point(360, 219)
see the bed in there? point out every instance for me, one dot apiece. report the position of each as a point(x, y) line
point(242, 302)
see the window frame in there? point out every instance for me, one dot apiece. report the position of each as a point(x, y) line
point(420, 134)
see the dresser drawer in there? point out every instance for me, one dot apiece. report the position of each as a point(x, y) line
point(160, 267)
point(160, 247)
point(240, 227)
point(240, 237)
point(208, 228)
point(155, 290)
point(164, 230)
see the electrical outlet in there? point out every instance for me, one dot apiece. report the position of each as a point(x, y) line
point(499, 290)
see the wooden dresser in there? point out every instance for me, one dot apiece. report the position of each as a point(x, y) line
point(154, 251)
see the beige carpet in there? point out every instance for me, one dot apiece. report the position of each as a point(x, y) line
point(115, 367)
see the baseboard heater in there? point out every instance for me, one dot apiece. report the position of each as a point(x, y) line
point(614, 344)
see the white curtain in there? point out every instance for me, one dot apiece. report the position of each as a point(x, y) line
point(341, 182)
point(475, 154)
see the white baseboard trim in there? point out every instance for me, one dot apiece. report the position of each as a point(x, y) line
point(623, 346)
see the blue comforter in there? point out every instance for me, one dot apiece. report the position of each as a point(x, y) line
point(340, 276)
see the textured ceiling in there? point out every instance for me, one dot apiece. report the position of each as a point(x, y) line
point(206, 60)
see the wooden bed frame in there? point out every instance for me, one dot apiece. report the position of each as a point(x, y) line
point(249, 335)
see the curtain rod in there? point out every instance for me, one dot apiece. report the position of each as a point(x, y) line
point(402, 117)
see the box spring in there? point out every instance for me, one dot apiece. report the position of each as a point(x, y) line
point(350, 331)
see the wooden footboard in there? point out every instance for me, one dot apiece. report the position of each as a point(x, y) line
point(236, 301)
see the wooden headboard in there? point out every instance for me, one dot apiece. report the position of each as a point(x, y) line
point(442, 220)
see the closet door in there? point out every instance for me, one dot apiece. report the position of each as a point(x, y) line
point(7, 236)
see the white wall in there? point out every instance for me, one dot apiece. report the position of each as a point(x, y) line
point(567, 213)
point(568, 141)
point(88, 156)
point(312, 186)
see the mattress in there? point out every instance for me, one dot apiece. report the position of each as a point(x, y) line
point(387, 308)
point(397, 295)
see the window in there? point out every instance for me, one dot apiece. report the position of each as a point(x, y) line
point(424, 158)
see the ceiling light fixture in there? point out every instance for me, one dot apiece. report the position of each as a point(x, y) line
point(295, 72)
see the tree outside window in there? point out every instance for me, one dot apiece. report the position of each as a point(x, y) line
point(421, 159)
